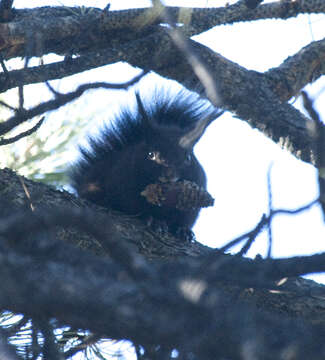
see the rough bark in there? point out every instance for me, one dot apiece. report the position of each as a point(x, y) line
point(139, 279)
point(135, 36)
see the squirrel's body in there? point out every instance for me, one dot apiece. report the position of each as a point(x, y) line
point(149, 145)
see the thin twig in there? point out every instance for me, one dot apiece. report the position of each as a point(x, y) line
point(56, 70)
point(3, 65)
point(27, 193)
point(294, 211)
point(53, 91)
point(200, 68)
point(251, 234)
point(23, 134)
point(248, 243)
point(266, 220)
point(61, 100)
point(7, 106)
point(21, 97)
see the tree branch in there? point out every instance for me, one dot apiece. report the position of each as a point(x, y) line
point(22, 134)
point(298, 70)
point(64, 22)
point(255, 97)
point(64, 281)
point(252, 99)
point(318, 133)
point(57, 70)
point(199, 20)
point(107, 238)
point(60, 100)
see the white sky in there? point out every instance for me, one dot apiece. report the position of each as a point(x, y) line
point(236, 157)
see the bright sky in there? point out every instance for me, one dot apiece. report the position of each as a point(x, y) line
point(236, 157)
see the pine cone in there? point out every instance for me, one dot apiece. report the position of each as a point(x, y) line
point(181, 195)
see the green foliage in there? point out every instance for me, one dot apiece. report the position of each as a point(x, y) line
point(44, 155)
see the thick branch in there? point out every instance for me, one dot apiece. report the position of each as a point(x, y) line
point(253, 98)
point(58, 24)
point(298, 70)
point(58, 70)
point(91, 293)
point(203, 19)
point(108, 230)
point(14, 199)
point(39, 31)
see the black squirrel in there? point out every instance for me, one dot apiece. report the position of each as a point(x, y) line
point(152, 144)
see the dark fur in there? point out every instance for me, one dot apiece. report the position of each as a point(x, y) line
point(118, 165)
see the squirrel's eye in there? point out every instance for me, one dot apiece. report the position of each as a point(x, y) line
point(156, 157)
point(152, 155)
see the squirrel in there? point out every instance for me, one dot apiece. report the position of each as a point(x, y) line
point(149, 146)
